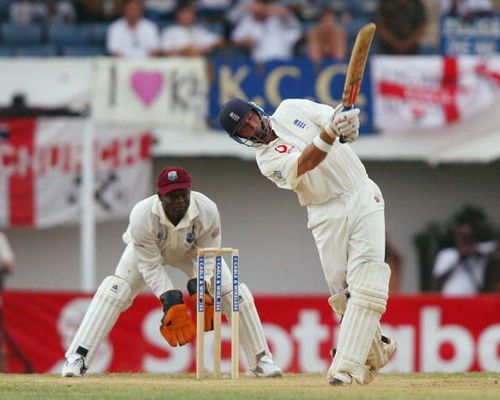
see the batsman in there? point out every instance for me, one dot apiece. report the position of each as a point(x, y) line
point(298, 148)
point(165, 231)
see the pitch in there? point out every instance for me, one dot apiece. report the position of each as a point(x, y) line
point(292, 386)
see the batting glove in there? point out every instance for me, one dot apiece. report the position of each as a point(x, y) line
point(192, 287)
point(177, 326)
point(344, 124)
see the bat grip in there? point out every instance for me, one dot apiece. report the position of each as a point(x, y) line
point(345, 108)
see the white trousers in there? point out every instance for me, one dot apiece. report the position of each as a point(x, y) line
point(349, 231)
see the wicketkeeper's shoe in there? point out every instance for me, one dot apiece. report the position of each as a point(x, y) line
point(266, 368)
point(74, 366)
point(340, 379)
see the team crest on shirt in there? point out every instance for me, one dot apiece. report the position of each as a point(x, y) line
point(191, 236)
point(299, 123)
point(161, 235)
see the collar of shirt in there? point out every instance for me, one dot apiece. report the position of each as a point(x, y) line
point(185, 222)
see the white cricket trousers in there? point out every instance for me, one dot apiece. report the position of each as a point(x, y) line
point(349, 231)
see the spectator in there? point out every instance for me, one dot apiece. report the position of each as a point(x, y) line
point(28, 11)
point(32, 11)
point(160, 9)
point(460, 270)
point(395, 261)
point(400, 26)
point(98, 10)
point(270, 32)
point(186, 37)
point(214, 5)
point(62, 12)
point(492, 274)
point(467, 8)
point(6, 267)
point(238, 11)
point(327, 39)
point(133, 36)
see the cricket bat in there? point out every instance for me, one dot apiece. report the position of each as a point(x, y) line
point(356, 67)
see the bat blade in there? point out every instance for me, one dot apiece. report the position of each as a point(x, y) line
point(357, 63)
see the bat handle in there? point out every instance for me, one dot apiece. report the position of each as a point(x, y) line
point(345, 108)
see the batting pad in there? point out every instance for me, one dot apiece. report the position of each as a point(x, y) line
point(378, 355)
point(111, 298)
point(368, 298)
point(252, 338)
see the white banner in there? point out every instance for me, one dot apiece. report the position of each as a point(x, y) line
point(169, 92)
point(40, 171)
point(47, 83)
point(411, 93)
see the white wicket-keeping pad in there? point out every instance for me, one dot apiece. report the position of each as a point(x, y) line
point(368, 298)
point(111, 298)
point(252, 338)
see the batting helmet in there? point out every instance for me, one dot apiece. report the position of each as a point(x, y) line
point(233, 114)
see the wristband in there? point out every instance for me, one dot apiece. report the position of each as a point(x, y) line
point(321, 144)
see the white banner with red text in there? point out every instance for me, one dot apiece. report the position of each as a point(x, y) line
point(40, 170)
point(429, 92)
point(433, 334)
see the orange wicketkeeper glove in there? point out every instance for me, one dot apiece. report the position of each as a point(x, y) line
point(192, 287)
point(177, 327)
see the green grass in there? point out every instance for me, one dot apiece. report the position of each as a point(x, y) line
point(481, 386)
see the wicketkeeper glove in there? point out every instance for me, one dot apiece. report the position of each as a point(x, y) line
point(177, 327)
point(344, 124)
point(192, 287)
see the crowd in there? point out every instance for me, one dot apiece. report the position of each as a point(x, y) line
point(263, 30)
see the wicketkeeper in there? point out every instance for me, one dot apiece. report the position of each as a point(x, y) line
point(165, 230)
point(298, 149)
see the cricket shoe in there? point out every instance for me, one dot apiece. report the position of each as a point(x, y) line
point(74, 366)
point(340, 379)
point(266, 368)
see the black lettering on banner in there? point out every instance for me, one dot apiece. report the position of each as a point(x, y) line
point(112, 85)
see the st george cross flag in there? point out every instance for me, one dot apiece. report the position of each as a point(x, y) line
point(415, 93)
point(40, 171)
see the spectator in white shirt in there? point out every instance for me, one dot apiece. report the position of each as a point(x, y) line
point(28, 11)
point(133, 36)
point(186, 38)
point(269, 31)
point(466, 8)
point(460, 270)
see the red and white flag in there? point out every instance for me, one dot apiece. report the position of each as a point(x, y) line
point(428, 92)
point(40, 171)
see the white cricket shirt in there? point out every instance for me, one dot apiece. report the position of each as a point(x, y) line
point(297, 122)
point(157, 242)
